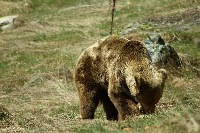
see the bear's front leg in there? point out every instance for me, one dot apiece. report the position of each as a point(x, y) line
point(123, 103)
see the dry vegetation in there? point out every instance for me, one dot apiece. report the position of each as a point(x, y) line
point(39, 51)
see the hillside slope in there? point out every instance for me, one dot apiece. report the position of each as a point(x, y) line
point(39, 52)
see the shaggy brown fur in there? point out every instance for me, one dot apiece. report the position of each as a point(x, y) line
point(117, 72)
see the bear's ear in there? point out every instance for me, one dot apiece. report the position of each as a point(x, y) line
point(164, 73)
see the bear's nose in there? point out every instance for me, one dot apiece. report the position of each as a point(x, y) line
point(149, 109)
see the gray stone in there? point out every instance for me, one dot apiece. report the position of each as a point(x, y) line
point(6, 22)
point(160, 53)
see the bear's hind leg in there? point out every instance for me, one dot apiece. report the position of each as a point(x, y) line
point(109, 108)
point(88, 101)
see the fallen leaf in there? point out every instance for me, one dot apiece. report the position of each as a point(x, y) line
point(127, 129)
point(147, 127)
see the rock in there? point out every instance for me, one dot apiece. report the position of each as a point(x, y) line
point(6, 22)
point(160, 53)
point(155, 39)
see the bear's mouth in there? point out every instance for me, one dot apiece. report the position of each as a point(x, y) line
point(140, 108)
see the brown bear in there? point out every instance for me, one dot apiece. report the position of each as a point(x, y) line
point(118, 73)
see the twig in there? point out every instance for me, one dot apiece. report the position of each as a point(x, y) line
point(113, 10)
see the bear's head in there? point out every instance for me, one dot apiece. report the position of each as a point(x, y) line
point(144, 81)
point(148, 93)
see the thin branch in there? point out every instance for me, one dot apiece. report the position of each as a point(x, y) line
point(113, 10)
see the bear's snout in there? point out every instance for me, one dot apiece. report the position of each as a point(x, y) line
point(149, 109)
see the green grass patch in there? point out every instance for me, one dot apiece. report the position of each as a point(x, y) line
point(3, 66)
point(104, 27)
point(68, 111)
point(12, 0)
point(96, 128)
point(71, 60)
point(39, 4)
point(183, 42)
point(73, 36)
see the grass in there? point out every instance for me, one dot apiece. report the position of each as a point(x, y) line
point(38, 57)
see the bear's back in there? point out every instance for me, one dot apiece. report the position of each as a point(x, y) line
point(112, 47)
point(110, 44)
point(113, 43)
